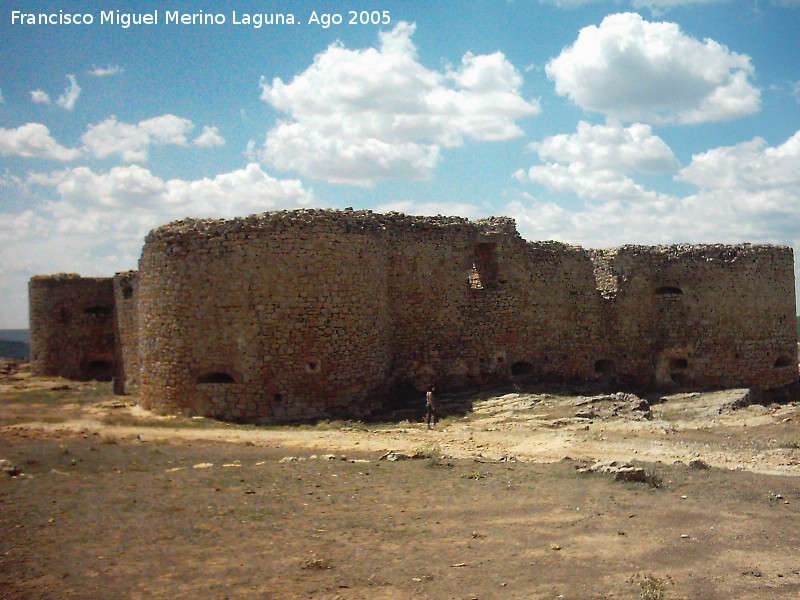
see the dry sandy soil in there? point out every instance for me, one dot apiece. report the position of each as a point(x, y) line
point(101, 499)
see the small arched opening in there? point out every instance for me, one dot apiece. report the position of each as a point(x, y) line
point(100, 370)
point(216, 377)
point(784, 361)
point(669, 290)
point(521, 368)
point(605, 366)
point(678, 364)
point(403, 394)
point(677, 370)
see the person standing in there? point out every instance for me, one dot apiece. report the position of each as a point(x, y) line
point(430, 407)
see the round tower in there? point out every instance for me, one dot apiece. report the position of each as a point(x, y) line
point(273, 317)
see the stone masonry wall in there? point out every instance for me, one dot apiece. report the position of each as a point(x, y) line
point(318, 313)
point(706, 315)
point(71, 326)
point(126, 333)
point(312, 313)
point(282, 316)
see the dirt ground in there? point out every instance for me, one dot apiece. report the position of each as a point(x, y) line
point(100, 499)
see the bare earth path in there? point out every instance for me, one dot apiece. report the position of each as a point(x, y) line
point(108, 500)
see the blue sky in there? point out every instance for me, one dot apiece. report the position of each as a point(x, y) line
point(593, 123)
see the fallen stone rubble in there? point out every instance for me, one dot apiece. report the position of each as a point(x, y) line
point(620, 471)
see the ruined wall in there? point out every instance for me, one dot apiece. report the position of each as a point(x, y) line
point(446, 313)
point(71, 325)
point(705, 315)
point(311, 313)
point(277, 316)
point(126, 333)
point(474, 304)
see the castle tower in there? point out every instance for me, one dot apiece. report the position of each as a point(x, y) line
point(72, 326)
point(277, 316)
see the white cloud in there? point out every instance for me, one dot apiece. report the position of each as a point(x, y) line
point(167, 129)
point(209, 138)
point(611, 146)
point(358, 116)
point(108, 71)
point(69, 98)
point(132, 141)
point(112, 137)
point(749, 167)
point(747, 193)
point(595, 162)
point(635, 70)
point(40, 97)
point(33, 140)
point(129, 190)
point(95, 223)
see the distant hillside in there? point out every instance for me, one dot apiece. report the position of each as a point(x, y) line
point(15, 335)
point(15, 343)
point(15, 350)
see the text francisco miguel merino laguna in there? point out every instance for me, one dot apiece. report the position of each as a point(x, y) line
point(176, 17)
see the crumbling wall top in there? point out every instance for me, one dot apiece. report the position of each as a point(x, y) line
point(66, 277)
point(726, 253)
point(346, 220)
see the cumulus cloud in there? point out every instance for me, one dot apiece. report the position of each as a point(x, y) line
point(136, 190)
point(749, 167)
point(108, 71)
point(596, 161)
point(749, 192)
point(634, 70)
point(132, 141)
point(209, 138)
point(167, 129)
point(94, 223)
point(33, 140)
point(112, 137)
point(40, 97)
point(69, 98)
point(358, 116)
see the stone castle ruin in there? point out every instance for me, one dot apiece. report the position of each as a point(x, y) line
point(312, 313)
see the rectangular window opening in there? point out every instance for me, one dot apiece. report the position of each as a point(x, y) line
point(484, 267)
